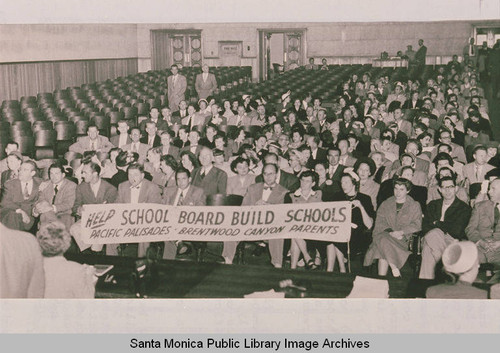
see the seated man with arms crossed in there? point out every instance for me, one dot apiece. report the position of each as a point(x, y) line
point(444, 222)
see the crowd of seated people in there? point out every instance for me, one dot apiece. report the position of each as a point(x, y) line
point(414, 158)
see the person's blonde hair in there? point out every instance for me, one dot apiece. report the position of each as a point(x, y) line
point(54, 238)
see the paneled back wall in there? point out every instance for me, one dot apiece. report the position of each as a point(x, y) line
point(28, 79)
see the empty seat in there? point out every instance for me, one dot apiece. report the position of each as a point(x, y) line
point(130, 113)
point(65, 131)
point(103, 123)
point(42, 125)
point(82, 127)
point(45, 138)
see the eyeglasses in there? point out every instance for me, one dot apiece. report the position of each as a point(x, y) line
point(449, 187)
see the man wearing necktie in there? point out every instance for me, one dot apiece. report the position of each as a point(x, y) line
point(470, 49)
point(136, 145)
point(475, 171)
point(151, 139)
point(93, 190)
point(193, 146)
point(268, 192)
point(177, 85)
point(205, 83)
point(56, 197)
point(184, 194)
point(92, 142)
point(484, 225)
point(212, 180)
point(135, 190)
point(19, 197)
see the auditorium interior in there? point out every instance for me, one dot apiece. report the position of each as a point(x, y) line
point(343, 82)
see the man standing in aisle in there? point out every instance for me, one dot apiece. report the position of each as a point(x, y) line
point(420, 57)
point(206, 83)
point(177, 85)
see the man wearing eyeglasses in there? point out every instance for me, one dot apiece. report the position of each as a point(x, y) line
point(444, 222)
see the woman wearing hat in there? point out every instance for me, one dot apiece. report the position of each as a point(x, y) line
point(461, 265)
point(370, 128)
point(398, 218)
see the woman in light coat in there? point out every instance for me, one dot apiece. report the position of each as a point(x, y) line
point(398, 218)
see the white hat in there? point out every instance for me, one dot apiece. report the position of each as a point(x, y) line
point(285, 95)
point(459, 257)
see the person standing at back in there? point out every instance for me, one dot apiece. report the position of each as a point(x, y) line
point(420, 57)
point(206, 83)
point(177, 85)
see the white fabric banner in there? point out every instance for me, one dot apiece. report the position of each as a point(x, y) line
point(137, 223)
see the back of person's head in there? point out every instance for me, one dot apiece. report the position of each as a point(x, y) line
point(122, 159)
point(54, 239)
point(460, 258)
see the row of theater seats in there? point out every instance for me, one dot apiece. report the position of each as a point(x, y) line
point(44, 126)
point(323, 84)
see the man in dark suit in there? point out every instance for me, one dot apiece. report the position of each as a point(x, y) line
point(317, 154)
point(136, 190)
point(93, 190)
point(184, 194)
point(123, 137)
point(414, 102)
point(420, 57)
point(213, 181)
point(335, 169)
point(193, 146)
point(56, 197)
point(181, 113)
point(444, 223)
point(287, 180)
point(182, 140)
point(265, 193)
point(151, 138)
point(154, 117)
point(205, 83)
point(18, 198)
point(176, 85)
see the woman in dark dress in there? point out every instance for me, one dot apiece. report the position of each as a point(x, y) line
point(361, 218)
